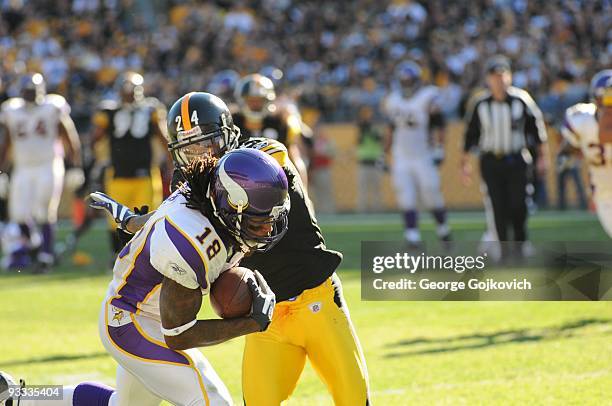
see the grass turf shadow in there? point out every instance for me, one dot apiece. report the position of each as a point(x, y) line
point(483, 340)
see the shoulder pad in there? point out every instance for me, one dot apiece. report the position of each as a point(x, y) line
point(390, 102)
point(521, 94)
point(12, 104)
point(271, 147)
point(58, 101)
point(182, 246)
point(579, 109)
point(574, 121)
point(153, 102)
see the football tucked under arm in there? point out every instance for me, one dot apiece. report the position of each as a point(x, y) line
point(179, 307)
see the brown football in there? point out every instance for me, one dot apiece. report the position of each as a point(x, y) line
point(230, 295)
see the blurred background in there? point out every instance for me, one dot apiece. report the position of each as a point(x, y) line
point(336, 62)
point(334, 59)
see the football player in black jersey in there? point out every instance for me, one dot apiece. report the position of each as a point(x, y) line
point(130, 127)
point(259, 116)
point(311, 318)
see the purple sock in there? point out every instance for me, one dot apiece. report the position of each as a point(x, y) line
point(410, 219)
point(48, 234)
point(439, 215)
point(92, 394)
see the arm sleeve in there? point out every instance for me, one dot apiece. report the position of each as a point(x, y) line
point(276, 150)
point(535, 129)
point(472, 132)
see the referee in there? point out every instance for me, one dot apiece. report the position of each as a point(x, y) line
point(506, 126)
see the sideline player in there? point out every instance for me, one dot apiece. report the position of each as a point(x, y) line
point(413, 114)
point(37, 124)
point(148, 321)
point(130, 127)
point(581, 130)
point(259, 116)
point(311, 318)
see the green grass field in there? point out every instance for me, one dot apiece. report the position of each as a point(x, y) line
point(417, 352)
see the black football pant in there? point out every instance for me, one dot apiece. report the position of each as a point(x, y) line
point(506, 180)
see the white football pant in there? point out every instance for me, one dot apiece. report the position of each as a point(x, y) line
point(35, 192)
point(417, 181)
point(149, 371)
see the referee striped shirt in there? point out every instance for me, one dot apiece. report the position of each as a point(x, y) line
point(504, 127)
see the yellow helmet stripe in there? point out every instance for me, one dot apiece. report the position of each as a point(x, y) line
point(185, 112)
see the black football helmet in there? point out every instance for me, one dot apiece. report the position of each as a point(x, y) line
point(130, 86)
point(255, 94)
point(200, 124)
point(32, 87)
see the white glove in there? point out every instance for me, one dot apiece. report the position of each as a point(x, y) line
point(120, 213)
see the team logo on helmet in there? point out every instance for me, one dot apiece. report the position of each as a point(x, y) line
point(249, 194)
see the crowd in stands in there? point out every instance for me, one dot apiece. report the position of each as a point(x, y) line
point(335, 55)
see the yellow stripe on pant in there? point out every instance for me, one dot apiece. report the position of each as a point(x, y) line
point(312, 326)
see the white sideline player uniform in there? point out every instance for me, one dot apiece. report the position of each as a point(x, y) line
point(414, 174)
point(581, 129)
point(37, 155)
point(181, 244)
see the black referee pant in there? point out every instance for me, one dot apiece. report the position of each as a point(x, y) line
point(506, 180)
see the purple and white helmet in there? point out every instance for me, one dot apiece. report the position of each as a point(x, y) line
point(249, 194)
point(408, 76)
point(600, 82)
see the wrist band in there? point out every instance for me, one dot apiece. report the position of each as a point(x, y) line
point(178, 330)
point(123, 224)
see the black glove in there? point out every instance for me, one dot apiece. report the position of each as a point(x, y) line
point(264, 301)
